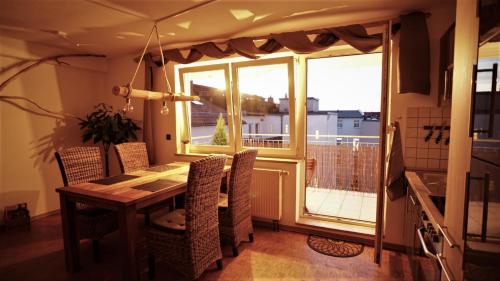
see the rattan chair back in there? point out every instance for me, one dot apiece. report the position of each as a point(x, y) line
point(202, 197)
point(132, 156)
point(239, 185)
point(80, 164)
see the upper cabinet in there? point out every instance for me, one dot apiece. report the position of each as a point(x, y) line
point(447, 44)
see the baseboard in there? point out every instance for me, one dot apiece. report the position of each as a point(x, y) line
point(44, 215)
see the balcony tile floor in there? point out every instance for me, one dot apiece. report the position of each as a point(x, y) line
point(341, 203)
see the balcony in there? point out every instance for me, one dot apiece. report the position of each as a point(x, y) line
point(341, 176)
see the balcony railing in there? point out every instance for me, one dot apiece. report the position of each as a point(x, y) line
point(343, 162)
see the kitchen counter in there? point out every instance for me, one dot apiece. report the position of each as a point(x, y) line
point(423, 195)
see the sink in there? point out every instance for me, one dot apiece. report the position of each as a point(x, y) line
point(435, 182)
point(439, 202)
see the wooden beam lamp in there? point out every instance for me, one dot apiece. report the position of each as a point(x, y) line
point(129, 92)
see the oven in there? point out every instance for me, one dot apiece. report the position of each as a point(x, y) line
point(423, 242)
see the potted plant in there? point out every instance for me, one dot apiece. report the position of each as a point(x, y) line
point(107, 127)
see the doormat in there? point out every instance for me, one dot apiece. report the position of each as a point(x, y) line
point(334, 247)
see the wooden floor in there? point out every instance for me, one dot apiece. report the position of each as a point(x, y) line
point(37, 254)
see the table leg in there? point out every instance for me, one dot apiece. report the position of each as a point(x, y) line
point(128, 234)
point(70, 235)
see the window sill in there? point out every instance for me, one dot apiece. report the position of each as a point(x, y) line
point(260, 159)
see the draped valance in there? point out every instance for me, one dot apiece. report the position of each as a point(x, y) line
point(298, 42)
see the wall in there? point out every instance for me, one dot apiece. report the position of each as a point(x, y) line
point(28, 172)
point(440, 20)
point(442, 17)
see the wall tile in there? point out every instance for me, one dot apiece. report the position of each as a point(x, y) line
point(411, 132)
point(411, 152)
point(411, 142)
point(410, 162)
point(433, 164)
point(424, 112)
point(421, 163)
point(412, 122)
point(434, 154)
point(412, 112)
point(444, 154)
point(425, 121)
point(436, 112)
point(421, 143)
point(447, 111)
point(418, 152)
point(436, 121)
point(422, 153)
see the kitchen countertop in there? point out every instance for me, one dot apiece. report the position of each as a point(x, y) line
point(422, 193)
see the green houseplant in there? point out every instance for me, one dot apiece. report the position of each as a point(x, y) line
point(107, 127)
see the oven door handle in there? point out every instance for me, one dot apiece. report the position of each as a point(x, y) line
point(424, 246)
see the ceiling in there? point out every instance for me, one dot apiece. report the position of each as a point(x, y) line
point(120, 27)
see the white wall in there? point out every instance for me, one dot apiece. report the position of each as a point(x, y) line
point(28, 171)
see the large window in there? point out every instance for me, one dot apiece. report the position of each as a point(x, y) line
point(255, 112)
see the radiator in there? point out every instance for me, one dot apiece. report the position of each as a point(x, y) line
point(266, 194)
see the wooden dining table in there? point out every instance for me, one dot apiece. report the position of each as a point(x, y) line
point(124, 194)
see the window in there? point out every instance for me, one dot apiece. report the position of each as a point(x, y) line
point(265, 93)
point(209, 121)
point(356, 124)
point(339, 123)
point(262, 100)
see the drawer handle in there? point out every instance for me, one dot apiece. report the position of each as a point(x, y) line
point(446, 237)
point(444, 268)
point(424, 246)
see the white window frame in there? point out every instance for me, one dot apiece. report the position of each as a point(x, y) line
point(200, 148)
point(230, 67)
point(265, 151)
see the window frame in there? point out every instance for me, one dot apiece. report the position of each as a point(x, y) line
point(208, 148)
point(291, 151)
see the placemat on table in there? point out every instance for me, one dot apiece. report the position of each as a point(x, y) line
point(114, 179)
point(155, 185)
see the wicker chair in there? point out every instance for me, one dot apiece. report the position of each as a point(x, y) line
point(188, 239)
point(83, 164)
point(235, 219)
point(132, 156)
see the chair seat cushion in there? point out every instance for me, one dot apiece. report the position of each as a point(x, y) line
point(174, 221)
point(223, 200)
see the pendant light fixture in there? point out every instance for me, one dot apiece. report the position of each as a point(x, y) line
point(128, 91)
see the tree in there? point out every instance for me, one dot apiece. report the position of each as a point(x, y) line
point(219, 137)
point(106, 127)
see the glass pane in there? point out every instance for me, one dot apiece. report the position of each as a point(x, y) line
point(209, 124)
point(264, 105)
point(343, 120)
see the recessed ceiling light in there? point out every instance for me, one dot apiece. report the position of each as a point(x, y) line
point(170, 34)
point(314, 11)
point(241, 14)
point(131, 33)
point(261, 17)
point(184, 24)
point(120, 37)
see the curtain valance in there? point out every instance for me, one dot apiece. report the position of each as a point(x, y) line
point(298, 42)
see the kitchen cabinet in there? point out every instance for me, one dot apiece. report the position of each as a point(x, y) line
point(447, 45)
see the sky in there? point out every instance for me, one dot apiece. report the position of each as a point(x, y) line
point(340, 83)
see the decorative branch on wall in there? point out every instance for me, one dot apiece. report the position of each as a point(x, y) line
point(35, 63)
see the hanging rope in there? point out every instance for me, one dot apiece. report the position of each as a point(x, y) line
point(142, 57)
